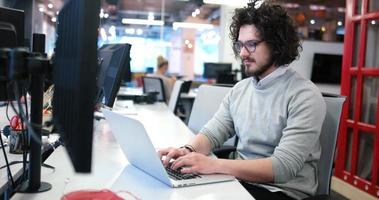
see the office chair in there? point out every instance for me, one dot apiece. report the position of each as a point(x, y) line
point(180, 87)
point(207, 102)
point(328, 140)
point(154, 84)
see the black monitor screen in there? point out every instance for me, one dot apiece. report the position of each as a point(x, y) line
point(74, 77)
point(11, 35)
point(212, 70)
point(326, 68)
point(115, 66)
point(11, 27)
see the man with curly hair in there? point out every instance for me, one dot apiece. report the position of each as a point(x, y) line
point(276, 114)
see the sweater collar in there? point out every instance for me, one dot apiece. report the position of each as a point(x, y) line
point(269, 78)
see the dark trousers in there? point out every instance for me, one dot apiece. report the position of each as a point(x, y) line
point(260, 193)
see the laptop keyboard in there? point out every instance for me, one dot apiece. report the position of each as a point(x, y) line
point(177, 175)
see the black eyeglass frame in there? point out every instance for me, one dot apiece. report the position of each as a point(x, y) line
point(250, 45)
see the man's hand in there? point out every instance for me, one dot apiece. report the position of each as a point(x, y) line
point(196, 163)
point(172, 153)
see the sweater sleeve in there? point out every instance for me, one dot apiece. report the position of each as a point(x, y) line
point(300, 137)
point(220, 128)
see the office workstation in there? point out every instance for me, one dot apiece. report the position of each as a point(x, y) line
point(171, 79)
point(111, 170)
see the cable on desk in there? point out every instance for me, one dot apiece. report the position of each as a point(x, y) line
point(6, 111)
point(23, 115)
point(127, 192)
point(18, 162)
point(25, 138)
point(24, 131)
point(7, 164)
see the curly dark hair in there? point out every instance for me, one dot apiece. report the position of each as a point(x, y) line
point(274, 26)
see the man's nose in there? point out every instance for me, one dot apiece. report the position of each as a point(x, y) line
point(244, 52)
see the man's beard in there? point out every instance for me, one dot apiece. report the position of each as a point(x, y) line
point(261, 69)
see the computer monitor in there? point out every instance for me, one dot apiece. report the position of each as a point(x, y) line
point(213, 70)
point(12, 27)
point(11, 35)
point(74, 77)
point(326, 68)
point(114, 68)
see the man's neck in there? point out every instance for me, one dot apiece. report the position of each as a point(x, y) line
point(267, 72)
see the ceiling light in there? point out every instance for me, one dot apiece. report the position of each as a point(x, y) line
point(317, 7)
point(291, 5)
point(142, 22)
point(41, 9)
point(50, 5)
point(339, 23)
point(193, 14)
point(373, 22)
point(106, 15)
point(234, 3)
point(53, 19)
point(200, 26)
point(341, 9)
point(101, 13)
point(312, 21)
point(139, 31)
point(197, 11)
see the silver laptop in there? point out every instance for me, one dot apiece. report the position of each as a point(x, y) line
point(137, 147)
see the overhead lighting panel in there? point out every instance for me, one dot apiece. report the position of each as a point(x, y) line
point(234, 3)
point(142, 22)
point(199, 26)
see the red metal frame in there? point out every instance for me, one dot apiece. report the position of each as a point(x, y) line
point(360, 71)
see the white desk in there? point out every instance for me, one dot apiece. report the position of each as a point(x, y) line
point(16, 168)
point(111, 169)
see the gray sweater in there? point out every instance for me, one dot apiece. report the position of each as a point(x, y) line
point(278, 117)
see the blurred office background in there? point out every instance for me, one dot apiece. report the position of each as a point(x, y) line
point(190, 33)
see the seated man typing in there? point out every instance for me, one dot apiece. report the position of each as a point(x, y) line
point(276, 113)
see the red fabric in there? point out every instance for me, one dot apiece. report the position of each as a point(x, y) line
point(91, 195)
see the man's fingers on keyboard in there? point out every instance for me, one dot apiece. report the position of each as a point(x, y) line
point(162, 152)
point(188, 170)
point(180, 162)
point(166, 160)
point(170, 155)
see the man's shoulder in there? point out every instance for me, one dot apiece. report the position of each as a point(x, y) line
point(299, 88)
point(298, 81)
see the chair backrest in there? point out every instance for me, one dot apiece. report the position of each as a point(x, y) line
point(328, 139)
point(207, 101)
point(175, 94)
point(154, 84)
point(180, 87)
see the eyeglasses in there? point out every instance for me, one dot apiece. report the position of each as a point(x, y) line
point(250, 45)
